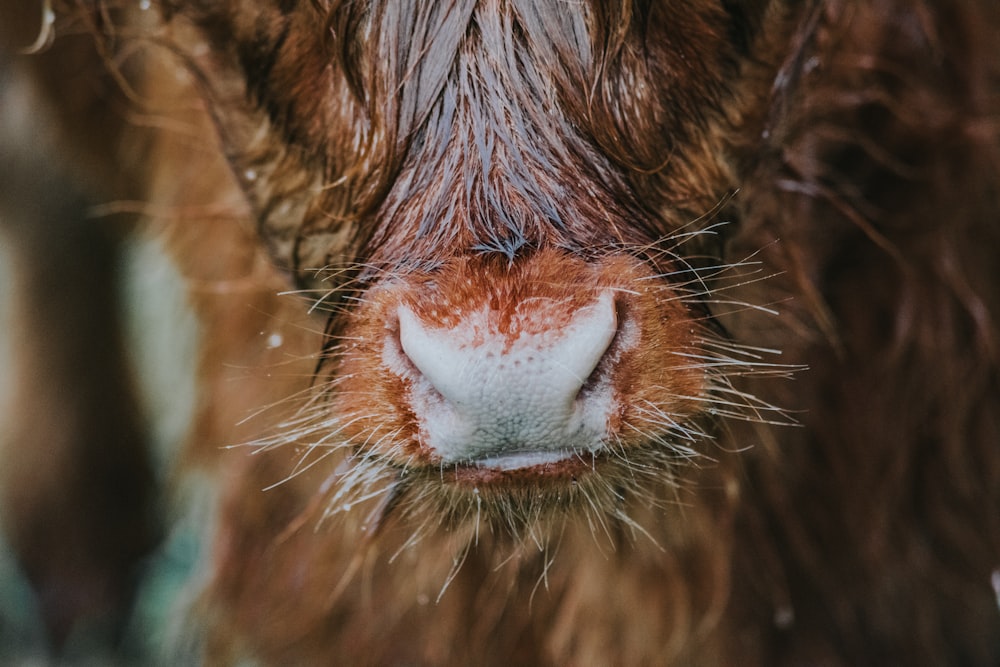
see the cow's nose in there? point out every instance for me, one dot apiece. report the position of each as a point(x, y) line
point(510, 397)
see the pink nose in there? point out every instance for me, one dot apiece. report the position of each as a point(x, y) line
point(532, 389)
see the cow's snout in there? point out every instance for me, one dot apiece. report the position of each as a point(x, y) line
point(507, 366)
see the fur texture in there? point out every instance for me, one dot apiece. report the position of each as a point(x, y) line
point(796, 205)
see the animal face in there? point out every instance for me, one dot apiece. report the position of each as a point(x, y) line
point(506, 206)
point(578, 332)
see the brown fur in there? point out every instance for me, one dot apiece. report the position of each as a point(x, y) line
point(368, 152)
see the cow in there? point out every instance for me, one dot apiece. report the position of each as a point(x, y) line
point(579, 333)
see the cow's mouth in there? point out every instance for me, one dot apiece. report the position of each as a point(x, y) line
point(523, 468)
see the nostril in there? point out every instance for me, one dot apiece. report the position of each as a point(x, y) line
point(511, 384)
point(587, 339)
point(582, 343)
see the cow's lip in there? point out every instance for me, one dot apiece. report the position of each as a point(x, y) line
point(521, 467)
point(522, 460)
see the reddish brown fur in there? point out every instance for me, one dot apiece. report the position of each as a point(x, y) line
point(853, 150)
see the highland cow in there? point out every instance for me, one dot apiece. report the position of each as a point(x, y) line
point(569, 333)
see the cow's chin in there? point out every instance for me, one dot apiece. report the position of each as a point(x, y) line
point(513, 495)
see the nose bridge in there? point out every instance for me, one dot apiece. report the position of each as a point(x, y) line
point(497, 167)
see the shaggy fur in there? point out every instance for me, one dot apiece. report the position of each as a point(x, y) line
point(798, 203)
